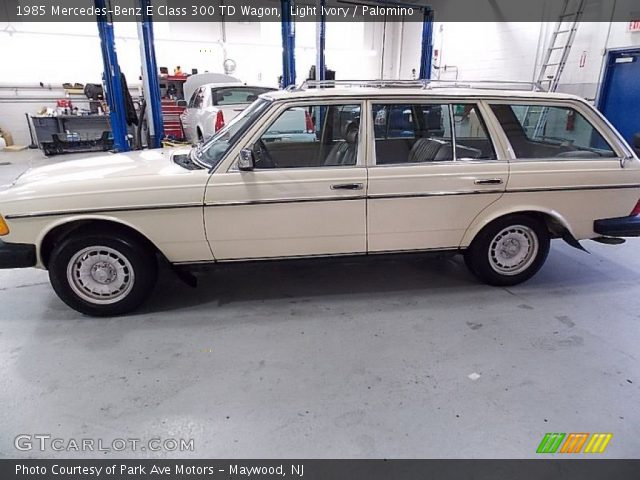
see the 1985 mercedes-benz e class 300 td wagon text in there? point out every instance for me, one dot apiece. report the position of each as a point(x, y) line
point(493, 174)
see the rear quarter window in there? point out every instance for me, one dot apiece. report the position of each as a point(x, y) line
point(236, 95)
point(546, 131)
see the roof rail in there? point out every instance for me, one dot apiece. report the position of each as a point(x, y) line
point(424, 84)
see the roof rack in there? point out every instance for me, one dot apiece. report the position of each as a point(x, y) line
point(424, 84)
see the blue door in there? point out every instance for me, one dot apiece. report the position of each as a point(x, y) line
point(620, 93)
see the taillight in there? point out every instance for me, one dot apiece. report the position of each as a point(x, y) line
point(219, 120)
point(308, 123)
point(636, 209)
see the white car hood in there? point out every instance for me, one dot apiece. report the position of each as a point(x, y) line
point(131, 164)
point(144, 178)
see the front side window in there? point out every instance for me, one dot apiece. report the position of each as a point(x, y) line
point(541, 131)
point(311, 136)
point(412, 133)
point(213, 150)
point(236, 95)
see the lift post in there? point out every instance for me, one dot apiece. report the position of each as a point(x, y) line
point(288, 45)
point(426, 54)
point(150, 77)
point(112, 79)
point(321, 33)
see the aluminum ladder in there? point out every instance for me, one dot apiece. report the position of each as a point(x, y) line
point(560, 44)
point(555, 58)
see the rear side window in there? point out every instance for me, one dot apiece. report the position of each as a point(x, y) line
point(412, 133)
point(472, 139)
point(421, 133)
point(540, 131)
point(236, 95)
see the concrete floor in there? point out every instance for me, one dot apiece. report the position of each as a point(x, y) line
point(360, 359)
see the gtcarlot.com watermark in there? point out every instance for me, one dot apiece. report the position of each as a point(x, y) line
point(44, 442)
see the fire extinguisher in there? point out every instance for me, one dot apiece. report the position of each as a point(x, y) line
point(571, 121)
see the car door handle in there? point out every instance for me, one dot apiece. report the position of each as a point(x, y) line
point(347, 186)
point(488, 181)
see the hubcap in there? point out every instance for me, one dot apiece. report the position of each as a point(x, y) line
point(100, 275)
point(513, 250)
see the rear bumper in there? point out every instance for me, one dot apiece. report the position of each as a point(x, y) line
point(618, 227)
point(17, 255)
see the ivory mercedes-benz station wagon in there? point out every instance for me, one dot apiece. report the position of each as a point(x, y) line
point(491, 173)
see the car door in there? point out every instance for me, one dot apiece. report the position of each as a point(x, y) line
point(434, 169)
point(306, 195)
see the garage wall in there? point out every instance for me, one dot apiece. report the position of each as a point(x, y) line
point(56, 53)
point(514, 51)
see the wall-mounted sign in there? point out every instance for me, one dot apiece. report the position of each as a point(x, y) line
point(634, 26)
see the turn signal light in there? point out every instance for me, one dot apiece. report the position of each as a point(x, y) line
point(4, 228)
point(636, 209)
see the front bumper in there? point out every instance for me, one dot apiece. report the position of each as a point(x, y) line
point(618, 227)
point(17, 255)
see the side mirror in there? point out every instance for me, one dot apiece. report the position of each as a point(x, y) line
point(181, 103)
point(635, 142)
point(246, 162)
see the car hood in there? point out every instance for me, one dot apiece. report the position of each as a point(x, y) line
point(131, 164)
point(143, 178)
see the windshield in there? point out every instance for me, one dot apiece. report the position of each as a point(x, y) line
point(211, 152)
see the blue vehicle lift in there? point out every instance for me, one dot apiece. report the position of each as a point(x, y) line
point(426, 54)
point(112, 80)
point(150, 78)
point(288, 45)
point(321, 41)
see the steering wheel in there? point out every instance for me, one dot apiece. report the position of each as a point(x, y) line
point(264, 159)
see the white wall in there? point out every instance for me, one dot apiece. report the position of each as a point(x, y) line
point(514, 51)
point(54, 53)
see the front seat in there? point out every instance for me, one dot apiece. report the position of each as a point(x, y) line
point(345, 152)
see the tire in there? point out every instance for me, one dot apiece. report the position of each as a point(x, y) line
point(102, 276)
point(508, 251)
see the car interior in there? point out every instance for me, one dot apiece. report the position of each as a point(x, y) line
point(331, 139)
point(422, 133)
point(548, 132)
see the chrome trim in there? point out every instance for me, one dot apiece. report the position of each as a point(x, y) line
point(102, 210)
point(292, 200)
point(326, 199)
point(433, 194)
point(321, 256)
point(567, 189)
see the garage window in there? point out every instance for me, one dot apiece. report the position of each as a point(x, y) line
point(541, 131)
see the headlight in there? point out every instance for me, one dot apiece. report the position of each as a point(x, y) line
point(4, 228)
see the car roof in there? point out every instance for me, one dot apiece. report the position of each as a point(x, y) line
point(236, 85)
point(372, 92)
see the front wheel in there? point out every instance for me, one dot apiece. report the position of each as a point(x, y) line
point(102, 276)
point(509, 250)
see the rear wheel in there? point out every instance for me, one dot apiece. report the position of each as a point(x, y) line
point(102, 276)
point(509, 250)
